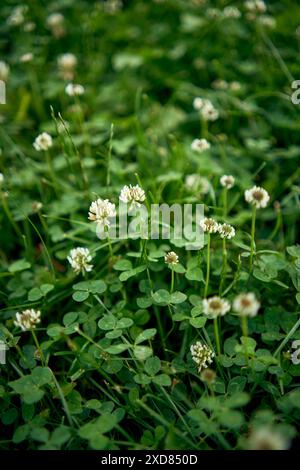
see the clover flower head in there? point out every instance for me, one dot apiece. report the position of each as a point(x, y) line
point(255, 6)
point(79, 258)
point(55, 19)
point(202, 355)
point(215, 307)
point(74, 89)
point(220, 84)
point(208, 376)
point(246, 305)
point(207, 110)
point(257, 196)
point(197, 183)
point(28, 319)
point(16, 18)
point(27, 57)
point(133, 195)
point(1, 179)
point(43, 142)
point(267, 21)
point(4, 70)
point(266, 438)
point(231, 12)
point(171, 258)
point(226, 231)
point(209, 225)
point(101, 211)
point(227, 181)
point(200, 145)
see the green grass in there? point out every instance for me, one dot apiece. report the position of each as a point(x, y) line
point(109, 365)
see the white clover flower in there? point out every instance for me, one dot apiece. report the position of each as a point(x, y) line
point(227, 181)
point(200, 145)
point(235, 86)
point(257, 196)
point(171, 258)
point(79, 258)
point(55, 19)
point(74, 89)
point(43, 142)
point(255, 6)
point(29, 26)
point(66, 65)
point(207, 110)
point(16, 17)
point(202, 355)
point(268, 21)
point(246, 305)
point(112, 6)
point(1, 179)
point(231, 12)
point(197, 183)
point(226, 231)
point(213, 13)
point(198, 103)
point(27, 57)
point(209, 225)
point(266, 438)
point(133, 195)
point(215, 307)
point(4, 70)
point(101, 211)
point(28, 319)
point(220, 84)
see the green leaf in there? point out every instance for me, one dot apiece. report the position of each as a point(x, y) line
point(46, 288)
point(124, 323)
point(231, 419)
point(35, 294)
point(19, 265)
point(161, 296)
point(108, 322)
point(80, 296)
point(163, 380)
point(117, 348)
point(178, 298)
point(142, 379)
point(198, 322)
point(152, 366)
point(145, 335)
point(237, 400)
point(41, 376)
point(195, 274)
point(133, 272)
point(40, 434)
point(70, 318)
point(123, 265)
point(142, 352)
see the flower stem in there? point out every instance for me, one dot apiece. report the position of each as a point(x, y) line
point(225, 202)
point(252, 238)
point(38, 346)
point(217, 336)
point(224, 266)
point(244, 325)
point(207, 266)
point(172, 279)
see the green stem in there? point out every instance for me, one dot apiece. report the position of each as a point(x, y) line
point(244, 325)
point(217, 336)
point(224, 266)
point(252, 238)
point(38, 346)
point(207, 266)
point(51, 171)
point(287, 338)
point(172, 279)
point(225, 202)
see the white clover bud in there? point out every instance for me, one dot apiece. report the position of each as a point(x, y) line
point(28, 319)
point(215, 307)
point(43, 142)
point(200, 145)
point(246, 305)
point(74, 89)
point(132, 195)
point(202, 355)
point(79, 258)
point(101, 211)
point(257, 197)
point(226, 231)
point(209, 225)
point(227, 181)
point(171, 258)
